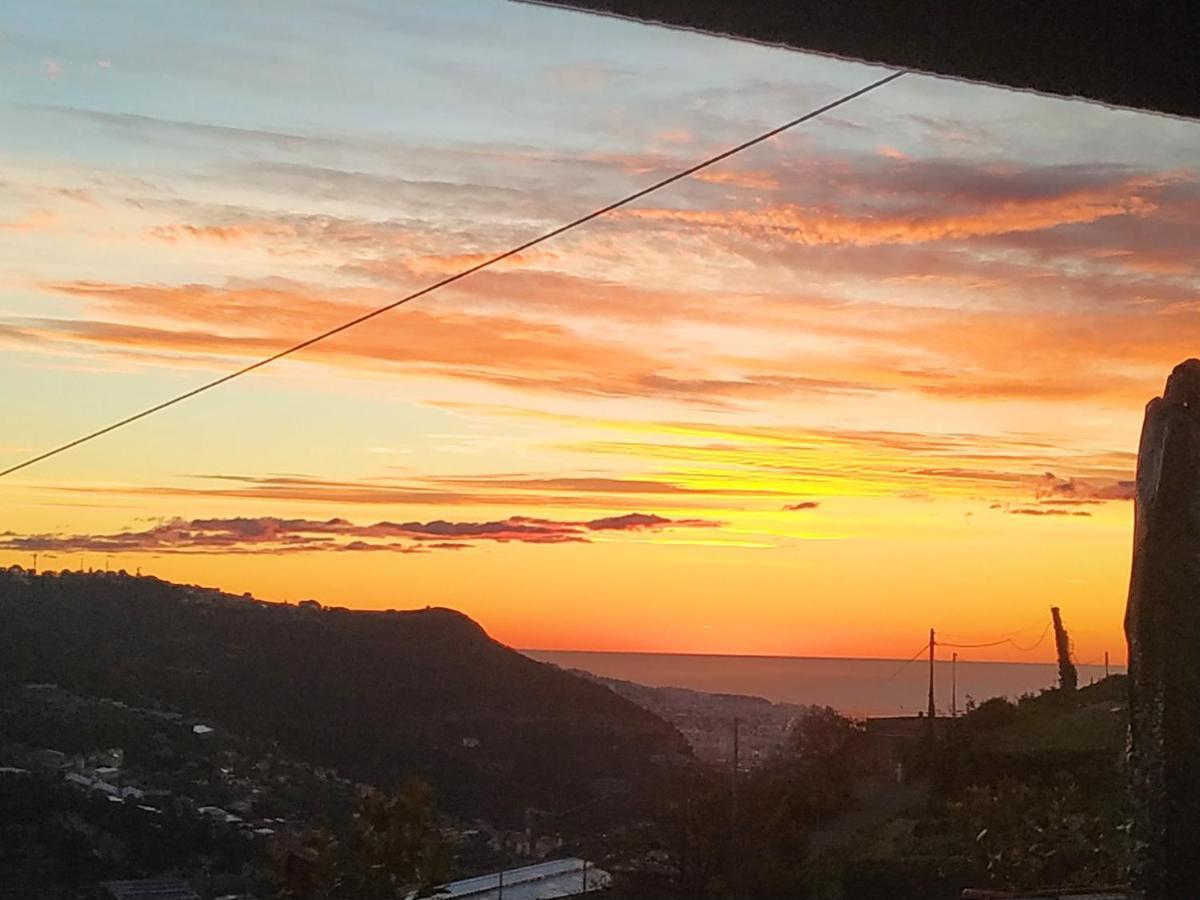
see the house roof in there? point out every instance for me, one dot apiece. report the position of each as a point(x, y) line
point(151, 889)
point(1120, 52)
point(541, 881)
point(1092, 893)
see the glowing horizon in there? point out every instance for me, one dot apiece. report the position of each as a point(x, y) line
point(881, 373)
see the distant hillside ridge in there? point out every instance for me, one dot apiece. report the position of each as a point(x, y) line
point(376, 694)
point(707, 718)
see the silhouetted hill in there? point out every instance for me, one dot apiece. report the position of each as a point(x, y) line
point(377, 695)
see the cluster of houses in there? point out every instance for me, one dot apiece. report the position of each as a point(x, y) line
point(194, 593)
point(103, 773)
point(99, 772)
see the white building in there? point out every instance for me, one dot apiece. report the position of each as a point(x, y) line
point(571, 877)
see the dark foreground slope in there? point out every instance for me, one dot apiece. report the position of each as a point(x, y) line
point(378, 695)
point(1021, 794)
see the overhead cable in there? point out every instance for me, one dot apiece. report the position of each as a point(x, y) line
point(491, 261)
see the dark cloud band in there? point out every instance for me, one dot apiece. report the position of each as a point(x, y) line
point(271, 535)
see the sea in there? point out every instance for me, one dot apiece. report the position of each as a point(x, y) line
point(854, 687)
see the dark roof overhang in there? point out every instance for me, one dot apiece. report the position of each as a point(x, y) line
point(1120, 52)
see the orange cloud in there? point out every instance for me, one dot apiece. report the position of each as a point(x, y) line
point(546, 344)
point(510, 351)
point(34, 220)
point(452, 263)
point(290, 234)
point(675, 136)
point(826, 225)
point(222, 233)
point(755, 180)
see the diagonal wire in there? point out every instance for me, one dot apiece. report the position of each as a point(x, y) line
point(912, 659)
point(554, 232)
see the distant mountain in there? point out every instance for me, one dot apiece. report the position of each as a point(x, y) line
point(375, 694)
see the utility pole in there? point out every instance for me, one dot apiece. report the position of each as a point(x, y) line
point(737, 725)
point(932, 707)
point(500, 886)
point(954, 685)
point(585, 887)
point(1105, 663)
point(35, 556)
point(733, 784)
point(734, 832)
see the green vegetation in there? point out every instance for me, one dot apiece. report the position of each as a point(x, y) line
point(720, 834)
point(394, 847)
point(1021, 795)
point(1012, 795)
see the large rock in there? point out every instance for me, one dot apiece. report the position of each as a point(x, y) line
point(1162, 624)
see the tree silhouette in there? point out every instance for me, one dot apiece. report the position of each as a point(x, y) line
point(397, 844)
point(394, 848)
point(307, 868)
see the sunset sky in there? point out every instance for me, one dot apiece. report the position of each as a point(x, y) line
point(883, 373)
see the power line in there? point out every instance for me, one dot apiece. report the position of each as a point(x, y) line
point(1045, 632)
point(1006, 640)
point(975, 646)
point(912, 659)
point(499, 257)
point(999, 637)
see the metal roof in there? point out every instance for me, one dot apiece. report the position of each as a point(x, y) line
point(1094, 893)
point(1121, 52)
point(542, 881)
point(151, 889)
